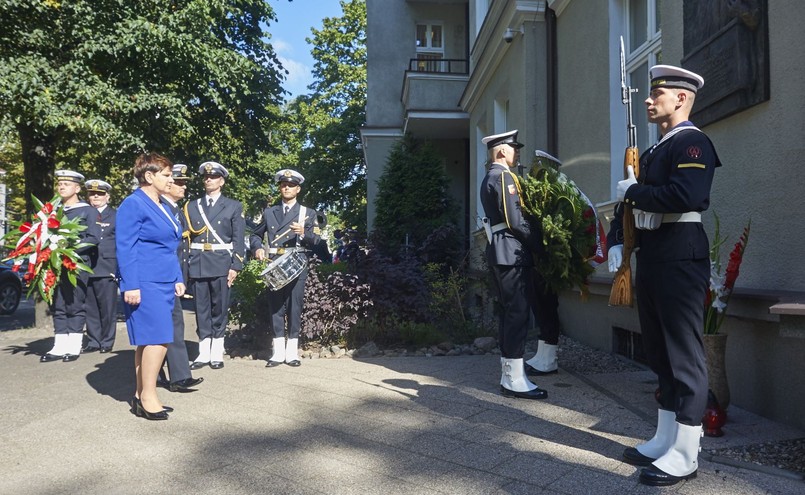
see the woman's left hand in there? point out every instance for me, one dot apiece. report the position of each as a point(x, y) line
point(179, 289)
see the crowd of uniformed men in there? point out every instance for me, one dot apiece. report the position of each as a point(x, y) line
point(211, 254)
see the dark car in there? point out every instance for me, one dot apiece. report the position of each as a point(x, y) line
point(10, 289)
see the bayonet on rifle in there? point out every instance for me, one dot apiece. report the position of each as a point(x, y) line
point(621, 293)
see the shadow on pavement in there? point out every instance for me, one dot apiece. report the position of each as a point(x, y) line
point(114, 376)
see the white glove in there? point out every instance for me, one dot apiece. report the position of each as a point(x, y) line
point(615, 257)
point(646, 220)
point(626, 183)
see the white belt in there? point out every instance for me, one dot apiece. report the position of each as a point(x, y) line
point(500, 226)
point(689, 216)
point(206, 246)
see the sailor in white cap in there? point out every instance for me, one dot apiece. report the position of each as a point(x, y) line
point(673, 271)
point(217, 248)
point(511, 242)
point(289, 226)
point(69, 313)
point(102, 286)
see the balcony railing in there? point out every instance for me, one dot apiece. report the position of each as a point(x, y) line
point(439, 65)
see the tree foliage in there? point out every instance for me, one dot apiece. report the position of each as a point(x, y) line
point(327, 121)
point(412, 199)
point(105, 79)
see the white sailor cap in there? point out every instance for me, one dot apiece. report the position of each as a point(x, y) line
point(509, 137)
point(97, 185)
point(179, 171)
point(668, 76)
point(213, 168)
point(69, 175)
point(288, 175)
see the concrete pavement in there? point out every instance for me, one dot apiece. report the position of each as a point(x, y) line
point(412, 425)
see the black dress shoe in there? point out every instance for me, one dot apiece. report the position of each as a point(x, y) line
point(530, 370)
point(50, 357)
point(185, 385)
point(273, 364)
point(537, 393)
point(89, 349)
point(633, 456)
point(654, 476)
point(162, 382)
point(216, 365)
point(141, 412)
point(105, 350)
point(67, 358)
point(196, 365)
point(294, 363)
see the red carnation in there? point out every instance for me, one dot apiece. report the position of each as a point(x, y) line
point(68, 263)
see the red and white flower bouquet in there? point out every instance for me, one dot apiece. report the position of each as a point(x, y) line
point(47, 245)
point(722, 283)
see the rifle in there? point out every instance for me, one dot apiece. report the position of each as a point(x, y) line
point(621, 293)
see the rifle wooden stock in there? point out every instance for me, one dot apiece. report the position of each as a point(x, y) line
point(621, 293)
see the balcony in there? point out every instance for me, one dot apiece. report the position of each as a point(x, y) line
point(430, 95)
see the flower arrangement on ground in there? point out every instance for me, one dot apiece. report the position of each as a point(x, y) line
point(48, 244)
point(722, 283)
point(571, 234)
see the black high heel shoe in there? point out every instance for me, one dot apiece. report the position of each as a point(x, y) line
point(141, 412)
point(133, 403)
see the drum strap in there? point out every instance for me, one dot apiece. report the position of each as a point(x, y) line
point(209, 227)
point(302, 218)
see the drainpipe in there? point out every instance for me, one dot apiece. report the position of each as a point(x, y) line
point(552, 108)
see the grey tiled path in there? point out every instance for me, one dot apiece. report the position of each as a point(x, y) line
point(386, 425)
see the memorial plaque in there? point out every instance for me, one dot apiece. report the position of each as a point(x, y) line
point(726, 42)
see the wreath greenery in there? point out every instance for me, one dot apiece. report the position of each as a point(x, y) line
point(569, 227)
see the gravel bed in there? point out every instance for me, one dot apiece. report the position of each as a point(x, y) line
point(785, 454)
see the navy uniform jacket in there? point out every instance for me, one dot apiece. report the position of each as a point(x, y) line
point(183, 251)
point(500, 197)
point(92, 234)
point(226, 218)
point(275, 223)
point(106, 263)
point(675, 177)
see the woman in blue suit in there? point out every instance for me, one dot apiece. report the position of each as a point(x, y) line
point(150, 276)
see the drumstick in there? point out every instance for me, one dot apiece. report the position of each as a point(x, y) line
point(289, 230)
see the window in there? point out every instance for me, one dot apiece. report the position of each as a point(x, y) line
point(643, 49)
point(429, 47)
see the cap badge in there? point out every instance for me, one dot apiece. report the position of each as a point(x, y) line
point(208, 168)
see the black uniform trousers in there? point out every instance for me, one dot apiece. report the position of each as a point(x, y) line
point(515, 288)
point(178, 362)
point(212, 303)
point(671, 297)
point(287, 303)
point(69, 305)
point(546, 311)
point(101, 312)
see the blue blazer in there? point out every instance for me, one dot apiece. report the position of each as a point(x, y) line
point(146, 241)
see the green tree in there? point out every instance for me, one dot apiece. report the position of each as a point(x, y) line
point(105, 79)
point(412, 198)
point(327, 121)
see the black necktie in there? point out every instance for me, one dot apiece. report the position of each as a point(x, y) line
point(286, 209)
point(211, 202)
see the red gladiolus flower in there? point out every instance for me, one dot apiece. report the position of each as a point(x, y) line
point(68, 263)
point(28, 276)
point(47, 208)
point(45, 254)
point(53, 223)
point(50, 278)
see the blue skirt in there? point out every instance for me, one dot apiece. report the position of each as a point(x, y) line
point(151, 321)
